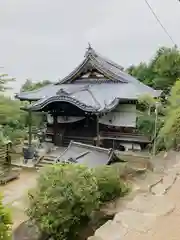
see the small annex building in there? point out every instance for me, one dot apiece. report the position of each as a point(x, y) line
point(88, 155)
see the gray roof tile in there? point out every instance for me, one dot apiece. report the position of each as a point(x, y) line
point(88, 155)
point(95, 94)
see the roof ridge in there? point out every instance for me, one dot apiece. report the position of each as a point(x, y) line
point(108, 72)
point(94, 98)
point(87, 88)
point(108, 60)
point(75, 71)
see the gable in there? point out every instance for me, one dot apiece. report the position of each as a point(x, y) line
point(98, 68)
point(91, 73)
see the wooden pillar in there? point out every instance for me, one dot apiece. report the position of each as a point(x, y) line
point(55, 128)
point(8, 157)
point(97, 131)
point(30, 128)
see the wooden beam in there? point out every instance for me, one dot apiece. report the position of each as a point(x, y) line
point(54, 128)
point(30, 129)
point(97, 131)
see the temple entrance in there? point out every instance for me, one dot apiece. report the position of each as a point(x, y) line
point(67, 122)
point(83, 130)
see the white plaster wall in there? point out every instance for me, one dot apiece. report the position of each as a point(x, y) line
point(124, 116)
point(61, 119)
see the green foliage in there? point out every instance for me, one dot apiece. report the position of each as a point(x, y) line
point(10, 110)
point(64, 199)
point(5, 222)
point(166, 67)
point(29, 85)
point(146, 124)
point(147, 116)
point(169, 135)
point(4, 80)
point(146, 103)
point(13, 134)
point(110, 185)
point(14, 121)
point(161, 71)
point(142, 72)
point(67, 195)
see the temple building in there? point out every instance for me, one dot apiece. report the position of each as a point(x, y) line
point(95, 104)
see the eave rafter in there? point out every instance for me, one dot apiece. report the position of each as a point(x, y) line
point(62, 98)
point(41, 104)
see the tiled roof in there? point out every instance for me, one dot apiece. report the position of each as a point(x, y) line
point(92, 98)
point(86, 154)
point(107, 67)
point(94, 94)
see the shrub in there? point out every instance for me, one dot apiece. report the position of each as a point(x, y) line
point(64, 199)
point(109, 183)
point(5, 222)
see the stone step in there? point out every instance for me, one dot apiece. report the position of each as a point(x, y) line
point(94, 238)
point(38, 166)
point(151, 204)
point(163, 186)
point(50, 159)
point(111, 230)
point(47, 162)
point(133, 220)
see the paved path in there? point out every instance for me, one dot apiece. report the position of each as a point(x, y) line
point(164, 227)
point(15, 195)
point(153, 214)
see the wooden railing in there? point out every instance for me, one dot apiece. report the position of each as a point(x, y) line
point(123, 135)
point(2, 153)
point(85, 140)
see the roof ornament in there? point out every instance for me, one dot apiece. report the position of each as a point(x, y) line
point(86, 87)
point(105, 104)
point(89, 50)
point(89, 46)
point(61, 91)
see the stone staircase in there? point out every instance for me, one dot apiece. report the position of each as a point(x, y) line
point(46, 160)
point(49, 158)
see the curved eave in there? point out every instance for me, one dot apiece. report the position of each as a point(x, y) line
point(39, 106)
point(111, 106)
point(24, 98)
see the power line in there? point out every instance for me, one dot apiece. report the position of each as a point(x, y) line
point(159, 21)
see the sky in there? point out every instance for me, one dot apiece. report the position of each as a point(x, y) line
point(43, 39)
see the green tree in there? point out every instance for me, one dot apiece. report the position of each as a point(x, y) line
point(161, 71)
point(4, 80)
point(146, 118)
point(142, 72)
point(166, 67)
point(29, 85)
point(9, 110)
point(148, 102)
point(169, 135)
point(5, 222)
